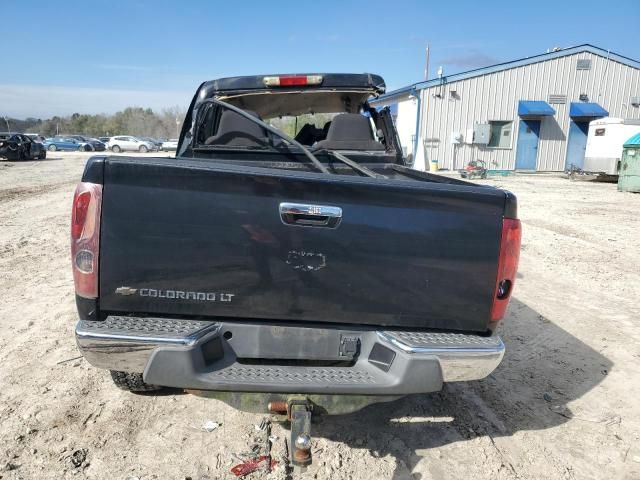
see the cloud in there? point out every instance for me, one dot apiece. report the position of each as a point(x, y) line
point(472, 59)
point(21, 101)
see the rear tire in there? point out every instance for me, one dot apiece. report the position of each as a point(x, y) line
point(43, 155)
point(116, 149)
point(132, 382)
point(143, 149)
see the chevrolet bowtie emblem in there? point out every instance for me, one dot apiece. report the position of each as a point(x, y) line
point(126, 290)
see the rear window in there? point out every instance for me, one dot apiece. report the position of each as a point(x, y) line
point(324, 120)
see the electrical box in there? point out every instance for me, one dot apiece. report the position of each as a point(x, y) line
point(481, 133)
point(456, 138)
point(468, 138)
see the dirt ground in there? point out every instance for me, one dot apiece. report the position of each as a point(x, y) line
point(563, 404)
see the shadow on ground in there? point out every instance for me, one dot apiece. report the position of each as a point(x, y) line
point(50, 158)
point(37, 160)
point(544, 369)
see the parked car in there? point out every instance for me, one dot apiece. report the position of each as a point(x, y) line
point(36, 137)
point(104, 140)
point(65, 143)
point(170, 145)
point(329, 277)
point(127, 143)
point(156, 143)
point(93, 143)
point(17, 146)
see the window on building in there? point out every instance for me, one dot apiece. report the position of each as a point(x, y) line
point(600, 132)
point(501, 133)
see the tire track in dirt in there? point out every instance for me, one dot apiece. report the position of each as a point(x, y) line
point(10, 194)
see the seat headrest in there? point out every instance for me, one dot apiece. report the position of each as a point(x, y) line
point(349, 126)
point(234, 129)
point(350, 131)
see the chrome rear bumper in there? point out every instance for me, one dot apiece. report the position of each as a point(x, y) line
point(462, 357)
point(230, 356)
point(126, 343)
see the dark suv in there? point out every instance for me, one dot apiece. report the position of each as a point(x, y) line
point(17, 146)
point(96, 145)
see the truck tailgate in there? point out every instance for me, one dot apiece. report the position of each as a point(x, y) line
point(199, 239)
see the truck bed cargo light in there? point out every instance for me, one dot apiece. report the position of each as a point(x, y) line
point(292, 80)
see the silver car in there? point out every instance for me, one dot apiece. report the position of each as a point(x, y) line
point(170, 145)
point(126, 143)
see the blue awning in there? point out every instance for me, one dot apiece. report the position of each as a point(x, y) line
point(587, 110)
point(534, 108)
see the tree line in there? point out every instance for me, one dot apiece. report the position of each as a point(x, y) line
point(136, 121)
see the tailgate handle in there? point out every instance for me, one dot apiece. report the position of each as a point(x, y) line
point(305, 215)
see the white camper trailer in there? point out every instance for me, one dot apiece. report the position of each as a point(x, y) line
point(604, 143)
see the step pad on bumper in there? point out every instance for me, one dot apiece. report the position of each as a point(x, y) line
point(143, 327)
point(410, 340)
point(296, 375)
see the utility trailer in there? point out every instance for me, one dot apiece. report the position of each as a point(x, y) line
point(604, 144)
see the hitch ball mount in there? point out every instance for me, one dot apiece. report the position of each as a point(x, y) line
point(298, 412)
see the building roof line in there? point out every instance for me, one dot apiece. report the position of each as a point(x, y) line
point(406, 91)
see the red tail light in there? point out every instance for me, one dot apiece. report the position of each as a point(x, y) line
point(85, 238)
point(507, 266)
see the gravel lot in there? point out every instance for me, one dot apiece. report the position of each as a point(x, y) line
point(563, 404)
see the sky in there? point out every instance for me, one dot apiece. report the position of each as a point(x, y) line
point(100, 56)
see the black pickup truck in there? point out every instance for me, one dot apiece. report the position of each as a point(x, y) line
point(289, 253)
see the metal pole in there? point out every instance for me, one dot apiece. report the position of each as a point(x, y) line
point(426, 67)
point(416, 94)
point(7, 122)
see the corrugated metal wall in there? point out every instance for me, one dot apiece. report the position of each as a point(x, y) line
point(495, 96)
point(406, 123)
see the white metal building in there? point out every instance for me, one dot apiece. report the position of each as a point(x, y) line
point(527, 114)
